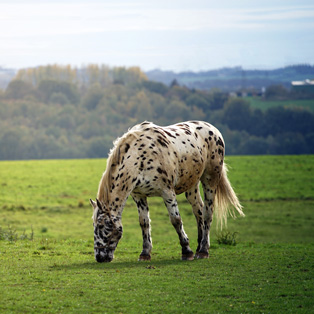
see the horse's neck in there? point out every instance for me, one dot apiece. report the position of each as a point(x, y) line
point(114, 189)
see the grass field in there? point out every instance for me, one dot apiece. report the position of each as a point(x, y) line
point(258, 103)
point(46, 248)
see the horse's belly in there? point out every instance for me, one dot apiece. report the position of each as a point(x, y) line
point(189, 173)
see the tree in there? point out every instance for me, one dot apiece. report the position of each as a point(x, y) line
point(178, 92)
point(93, 97)
point(257, 124)
point(237, 114)
point(176, 111)
point(155, 87)
point(133, 75)
point(144, 110)
point(54, 72)
point(254, 146)
point(58, 98)
point(174, 83)
point(289, 143)
point(11, 144)
point(280, 119)
point(49, 87)
point(217, 99)
point(18, 89)
point(159, 104)
point(197, 101)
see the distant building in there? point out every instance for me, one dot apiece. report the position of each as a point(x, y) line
point(306, 86)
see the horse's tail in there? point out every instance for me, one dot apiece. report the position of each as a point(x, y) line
point(226, 201)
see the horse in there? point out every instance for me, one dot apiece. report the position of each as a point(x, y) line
point(150, 160)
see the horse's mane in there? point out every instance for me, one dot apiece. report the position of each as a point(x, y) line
point(113, 161)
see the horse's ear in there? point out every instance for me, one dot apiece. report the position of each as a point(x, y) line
point(93, 203)
point(99, 204)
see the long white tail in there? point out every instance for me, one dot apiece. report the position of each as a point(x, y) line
point(226, 201)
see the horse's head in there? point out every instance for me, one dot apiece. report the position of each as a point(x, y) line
point(107, 232)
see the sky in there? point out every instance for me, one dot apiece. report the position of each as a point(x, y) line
point(175, 35)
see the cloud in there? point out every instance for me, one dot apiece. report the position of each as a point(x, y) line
point(160, 32)
point(58, 18)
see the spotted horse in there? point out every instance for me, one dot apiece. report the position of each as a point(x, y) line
point(150, 160)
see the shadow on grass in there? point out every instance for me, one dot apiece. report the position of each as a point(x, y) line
point(132, 264)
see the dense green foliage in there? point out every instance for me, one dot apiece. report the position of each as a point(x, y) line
point(46, 245)
point(61, 112)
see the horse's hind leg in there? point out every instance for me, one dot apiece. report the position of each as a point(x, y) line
point(210, 182)
point(175, 218)
point(194, 198)
point(143, 213)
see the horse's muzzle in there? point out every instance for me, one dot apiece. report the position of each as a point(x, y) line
point(102, 256)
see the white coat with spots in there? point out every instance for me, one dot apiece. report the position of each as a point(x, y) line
point(150, 160)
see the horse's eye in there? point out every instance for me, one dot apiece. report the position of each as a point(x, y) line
point(100, 220)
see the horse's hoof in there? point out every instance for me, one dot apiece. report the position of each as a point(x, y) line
point(188, 257)
point(144, 258)
point(201, 255)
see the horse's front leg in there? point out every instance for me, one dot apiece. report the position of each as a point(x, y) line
point(175, 218)
point(143, 213)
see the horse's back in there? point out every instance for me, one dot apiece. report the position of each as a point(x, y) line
point(176, 156)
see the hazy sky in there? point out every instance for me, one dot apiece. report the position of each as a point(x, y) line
point(167, 34)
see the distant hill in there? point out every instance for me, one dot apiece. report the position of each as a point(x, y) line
point(234, 79)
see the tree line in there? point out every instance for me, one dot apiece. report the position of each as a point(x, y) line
point(64, 112)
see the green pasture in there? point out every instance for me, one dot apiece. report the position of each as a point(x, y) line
point(46, 245)
point(258, 103)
